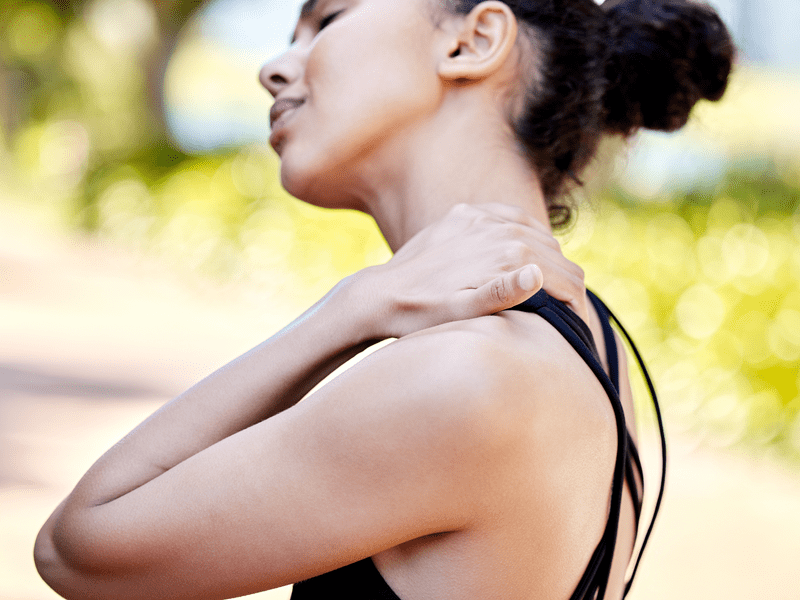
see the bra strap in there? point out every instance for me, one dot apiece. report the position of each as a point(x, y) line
point(612, 358)
point(603, 309)
point(594, 582)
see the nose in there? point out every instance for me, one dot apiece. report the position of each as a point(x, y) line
point(281, 71)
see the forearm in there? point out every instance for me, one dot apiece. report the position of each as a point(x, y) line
point(263, 382)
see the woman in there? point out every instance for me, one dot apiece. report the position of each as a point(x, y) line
point(478, 456)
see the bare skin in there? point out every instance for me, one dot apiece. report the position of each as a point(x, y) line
point(471, 458)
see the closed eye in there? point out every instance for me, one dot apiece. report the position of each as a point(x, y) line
point(325, 21)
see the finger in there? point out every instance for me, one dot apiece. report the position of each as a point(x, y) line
point(577, 304)
point(536, 237)
point(529, 279)
point(568, 289)
point(580, 306)
point(506, 211)
point(513, 213)
point(493, 219)
point(507, 290)
point(515, 223)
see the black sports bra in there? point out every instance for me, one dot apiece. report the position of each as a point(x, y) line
point(362, 580)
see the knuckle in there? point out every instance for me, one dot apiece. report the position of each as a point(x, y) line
point(508, 211)
point(518, 253)
point(575, 289)
point(517, 213)
point(538, 225)
point(514, 231)
point(499, 291)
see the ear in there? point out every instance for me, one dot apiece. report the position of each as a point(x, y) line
point(481, 43)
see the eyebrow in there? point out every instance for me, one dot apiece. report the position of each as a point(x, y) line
point(307, 7)
point(305, 10)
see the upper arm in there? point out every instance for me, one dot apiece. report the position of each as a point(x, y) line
point(399, 446)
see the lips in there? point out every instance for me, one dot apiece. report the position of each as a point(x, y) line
point(280, 108)
point(280, 111)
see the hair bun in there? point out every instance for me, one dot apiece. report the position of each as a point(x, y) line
point(664, 56)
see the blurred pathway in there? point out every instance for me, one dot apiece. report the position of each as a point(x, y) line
point(92, 340)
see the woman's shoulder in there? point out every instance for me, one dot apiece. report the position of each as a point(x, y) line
point(500, 369)
point(440, 422)
point(503, 348)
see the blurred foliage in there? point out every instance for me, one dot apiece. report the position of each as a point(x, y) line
point(81, 91)
point(707, 281)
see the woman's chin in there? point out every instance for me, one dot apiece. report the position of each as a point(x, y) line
point(294, 180)
point(313, 187)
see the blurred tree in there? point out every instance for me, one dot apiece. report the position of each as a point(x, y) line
point(49, 70)
point(171, 16)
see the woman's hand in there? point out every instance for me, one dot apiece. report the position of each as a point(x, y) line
point(476, 261)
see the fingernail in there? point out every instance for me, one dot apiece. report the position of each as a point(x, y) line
point(528, 279)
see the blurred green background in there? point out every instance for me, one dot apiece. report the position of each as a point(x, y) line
point(142, 122)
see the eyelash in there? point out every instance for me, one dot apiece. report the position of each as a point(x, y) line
point(325, 21)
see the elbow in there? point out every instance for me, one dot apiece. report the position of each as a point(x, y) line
point(65, 561)
point(51, 566)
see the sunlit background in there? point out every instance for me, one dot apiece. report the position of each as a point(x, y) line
point(139, 127)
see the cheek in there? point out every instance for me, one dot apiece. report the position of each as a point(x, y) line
point(358, 101)
point(373, 68)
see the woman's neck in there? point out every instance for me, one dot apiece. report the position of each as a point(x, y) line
point(458, 156)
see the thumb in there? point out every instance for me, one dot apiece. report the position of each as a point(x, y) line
point(508, 290)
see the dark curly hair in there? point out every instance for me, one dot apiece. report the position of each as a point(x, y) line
point(610, 69)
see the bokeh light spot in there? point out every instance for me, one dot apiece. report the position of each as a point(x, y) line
point(700, 311)
point(33, 30)
point(745, 249)
point(123, 25)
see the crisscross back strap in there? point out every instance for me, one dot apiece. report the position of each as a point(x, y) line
point(606, 316)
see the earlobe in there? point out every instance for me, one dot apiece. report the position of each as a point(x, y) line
point(481, 43)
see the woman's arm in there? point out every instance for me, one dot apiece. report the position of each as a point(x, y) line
point(373, 459)
point(466, 266)
point(476, 261)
